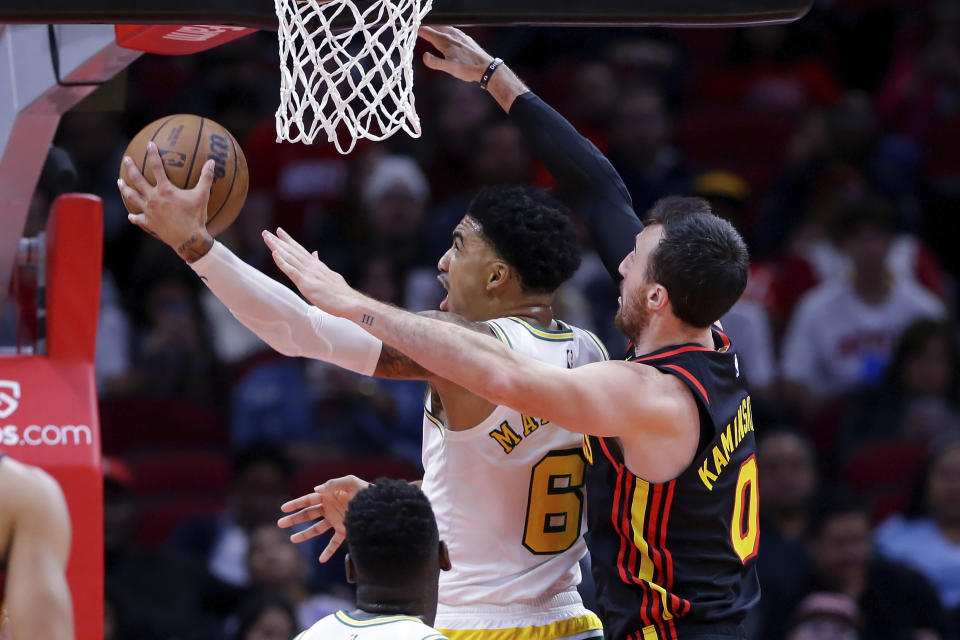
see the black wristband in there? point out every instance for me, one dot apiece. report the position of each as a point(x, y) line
point(485, 78)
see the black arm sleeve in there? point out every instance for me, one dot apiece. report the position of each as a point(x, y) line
point(586, 179)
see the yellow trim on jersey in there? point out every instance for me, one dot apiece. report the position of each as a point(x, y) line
point(545, 334)
point(428, 398)
point(499, 333)
point(559, 629)
point(344, 617)
point(638, 511)
point(650, 633)
point(603, 349)
point(434, 419)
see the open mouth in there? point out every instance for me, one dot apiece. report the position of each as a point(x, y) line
point(446, 298)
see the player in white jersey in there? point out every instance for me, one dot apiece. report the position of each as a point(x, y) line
point(509, 499)
point(394, 554)
point(510, 252)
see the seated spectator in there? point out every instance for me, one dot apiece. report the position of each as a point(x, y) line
point(174, 355)
point(641, 149)
point(263, 617)
point(842, 332)
point(826, 616)
point(276, 566)
point(394, 555)
point(896, 601)
point(766, 70)
point(919, 398)
point(261, 475)
point(923, 82)
point(153, 593)
point(927, 537)
point(788, 474)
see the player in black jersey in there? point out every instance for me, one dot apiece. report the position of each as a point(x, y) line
point(34, 545)
point(672, 481)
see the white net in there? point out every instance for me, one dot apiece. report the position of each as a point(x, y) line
point(347, 70)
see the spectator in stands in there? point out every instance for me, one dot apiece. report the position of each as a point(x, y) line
point(826, 616)
point(923, 82)
point(641, 150)
point(844, 138)
point(788, 474)
point(896, 601)
point(919, 397)
point(261, 475)
point(154, 593)
point(768, 70)
point(927, 537)
point(263, 617)
point(276, 566)
point(748, 322)
point(174, 354)
point(841, 333)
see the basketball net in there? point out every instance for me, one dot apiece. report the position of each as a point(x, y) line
point(347, 70)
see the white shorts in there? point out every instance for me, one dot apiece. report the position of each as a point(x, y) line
point(561, 617)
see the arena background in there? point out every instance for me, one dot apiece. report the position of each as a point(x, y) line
point(832, 144)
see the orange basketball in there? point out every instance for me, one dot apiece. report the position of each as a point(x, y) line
point(186, 142)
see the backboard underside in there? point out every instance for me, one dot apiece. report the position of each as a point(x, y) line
point(259, 14)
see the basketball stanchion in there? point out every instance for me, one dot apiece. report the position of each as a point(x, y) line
point(48, 402)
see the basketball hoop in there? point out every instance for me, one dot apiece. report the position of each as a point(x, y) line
point(347, 70)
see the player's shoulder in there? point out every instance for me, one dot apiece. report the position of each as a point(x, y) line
point(521, 334)
point(31, 483)
point(342, 624)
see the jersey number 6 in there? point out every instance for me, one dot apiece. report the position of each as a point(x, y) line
point(555, 502)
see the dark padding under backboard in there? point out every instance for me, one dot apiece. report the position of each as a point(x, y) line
point(260, 13)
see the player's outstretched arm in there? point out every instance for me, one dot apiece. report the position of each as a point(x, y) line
point(585, 176)
point(275, 314)
point(37, 595)
point(605, 398)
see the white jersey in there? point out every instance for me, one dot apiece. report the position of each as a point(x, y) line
point(508, 493)
point(342, 626)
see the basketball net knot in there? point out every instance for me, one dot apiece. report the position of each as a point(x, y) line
point(347, 70)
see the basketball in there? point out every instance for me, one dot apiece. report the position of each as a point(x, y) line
point(185, 143)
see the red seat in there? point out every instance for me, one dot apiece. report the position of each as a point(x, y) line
point(180, 471)
point(730, 137)
point(942, 162)
point(143, 423)
point(309, 476)
point(884, 473)
point(158, 519)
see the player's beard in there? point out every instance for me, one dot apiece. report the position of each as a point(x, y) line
point(632, 320)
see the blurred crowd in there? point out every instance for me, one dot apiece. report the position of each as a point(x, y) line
point(830, 143)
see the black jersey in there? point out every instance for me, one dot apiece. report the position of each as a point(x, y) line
point(680, 554)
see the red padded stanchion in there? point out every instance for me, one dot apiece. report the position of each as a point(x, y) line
point(48, 403)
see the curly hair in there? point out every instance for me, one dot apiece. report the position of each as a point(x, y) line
point(531, 231)
point(701, 261)
point(391, 531)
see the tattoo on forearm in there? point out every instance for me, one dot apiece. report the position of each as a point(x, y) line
point(195, 247)
point(396, 365)
point(367, 319)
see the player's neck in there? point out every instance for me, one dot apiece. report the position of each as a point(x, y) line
point(538, 312)
point(386, 601)
point(667, 332)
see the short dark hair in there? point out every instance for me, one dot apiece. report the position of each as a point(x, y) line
point(391, 531)
point(531, 231)
point(251, 609)
point(831, 503)
point(260, 452)
point(701, 260)
point(868, 211)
